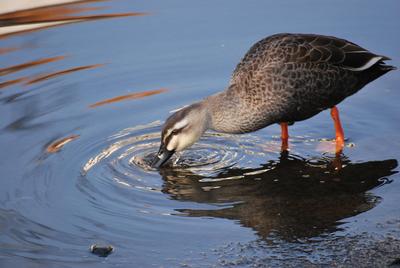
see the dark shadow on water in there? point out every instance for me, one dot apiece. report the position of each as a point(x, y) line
point(292, 197)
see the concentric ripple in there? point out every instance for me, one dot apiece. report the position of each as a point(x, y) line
point(116, 177)
point(128, 154)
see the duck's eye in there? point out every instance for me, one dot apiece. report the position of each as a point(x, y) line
point(174, 132)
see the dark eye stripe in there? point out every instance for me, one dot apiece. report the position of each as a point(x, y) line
point(173, 132)
point(167, 139)
point(176, 131)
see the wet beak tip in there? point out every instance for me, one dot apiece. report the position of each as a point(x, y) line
point(162, 157)
point(156, 162)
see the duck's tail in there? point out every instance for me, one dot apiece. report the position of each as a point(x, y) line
point(382, 64)
point(377, 70)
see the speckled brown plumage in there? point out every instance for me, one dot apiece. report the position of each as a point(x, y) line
point(282, 79)
point(292, 77)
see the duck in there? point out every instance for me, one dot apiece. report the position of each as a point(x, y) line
point(282, 79)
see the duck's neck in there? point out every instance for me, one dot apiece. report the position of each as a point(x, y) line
point(221, 113)
point(230, 112)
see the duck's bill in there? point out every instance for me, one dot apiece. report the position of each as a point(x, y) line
point(162, 156)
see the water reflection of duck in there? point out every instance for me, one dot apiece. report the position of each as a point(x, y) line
point(282, 79)
point(293, 197)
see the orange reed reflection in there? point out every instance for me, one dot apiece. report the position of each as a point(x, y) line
point(136, 95)
point(58, 144)
point(63, 72)
point(16, 68)
point(12, 82)
point(4, 50)
point(50, 16)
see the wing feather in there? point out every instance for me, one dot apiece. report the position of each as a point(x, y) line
point(303, 48)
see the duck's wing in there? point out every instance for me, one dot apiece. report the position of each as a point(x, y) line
point(306, 48)
point(329, 49)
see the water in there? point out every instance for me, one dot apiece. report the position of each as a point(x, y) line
point(82, 106)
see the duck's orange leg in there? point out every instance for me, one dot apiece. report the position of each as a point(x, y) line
point(284, 136)
point(338, 129)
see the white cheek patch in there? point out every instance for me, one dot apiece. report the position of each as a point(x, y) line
point(180, 124)
point(172, 144)
point(185, 141)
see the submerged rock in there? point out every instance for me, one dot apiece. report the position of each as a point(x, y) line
point(101, 250)
point(395, 263)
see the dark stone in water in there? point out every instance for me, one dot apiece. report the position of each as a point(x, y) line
point(395, 263)
point(101, 250)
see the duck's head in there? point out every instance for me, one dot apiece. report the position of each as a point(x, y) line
point(181, 130)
